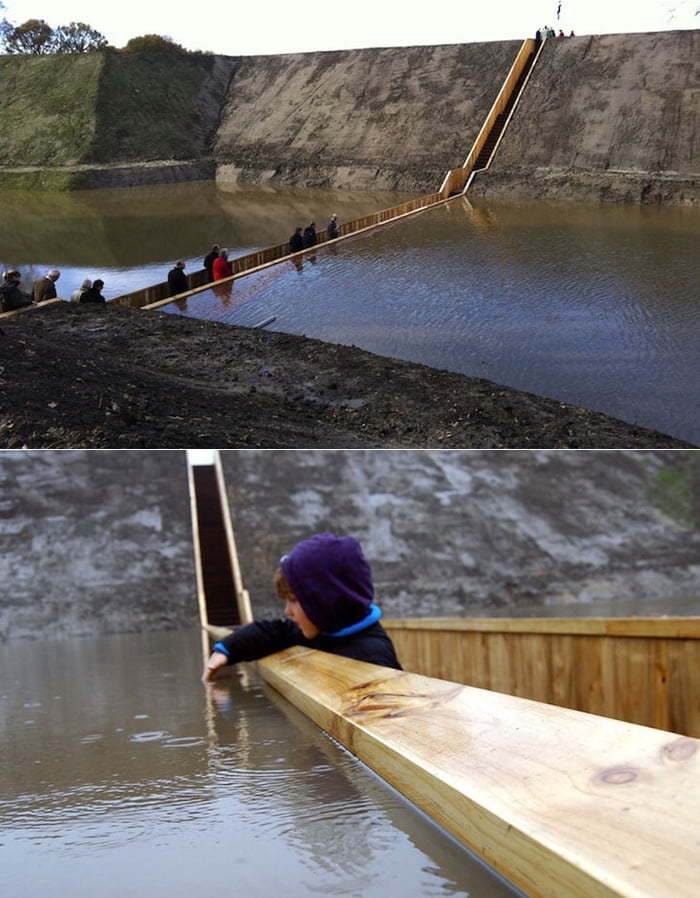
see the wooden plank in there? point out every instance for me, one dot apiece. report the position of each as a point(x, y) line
point(667, 627)
point(565, 805)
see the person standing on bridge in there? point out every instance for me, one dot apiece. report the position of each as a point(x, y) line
point(209, 261)
point(45, 288)
point(11, 297)
point(94, 294)
point(177, 279)
point(326, 585)
point(332, 229)
point(310, 235)
point(296, 242)
point(221, 267)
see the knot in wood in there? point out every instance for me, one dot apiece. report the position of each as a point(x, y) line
point(618, 776)
point(680, 749)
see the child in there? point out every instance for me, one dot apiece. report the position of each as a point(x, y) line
point(326, 585)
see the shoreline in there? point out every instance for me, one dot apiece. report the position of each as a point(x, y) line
point(113, 377)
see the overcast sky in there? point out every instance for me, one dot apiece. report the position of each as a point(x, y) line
point(279, 26)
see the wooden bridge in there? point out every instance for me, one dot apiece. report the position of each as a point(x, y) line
point(564, 804)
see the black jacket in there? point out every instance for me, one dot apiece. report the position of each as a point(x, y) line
point(309, 236)
point(296, 243)
point(209, 262)
point(264, 637)
point(11, 297)
point(92, 295)
point(177, 281)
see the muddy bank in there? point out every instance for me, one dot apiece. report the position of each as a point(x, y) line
point(111, 377)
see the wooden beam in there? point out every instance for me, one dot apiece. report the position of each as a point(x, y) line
point(666, 627)
point(564, 804)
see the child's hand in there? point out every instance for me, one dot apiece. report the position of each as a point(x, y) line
point(214, 664)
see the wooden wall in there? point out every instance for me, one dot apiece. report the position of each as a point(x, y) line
point(642, 670)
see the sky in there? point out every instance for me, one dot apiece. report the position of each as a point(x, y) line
point(280, 26)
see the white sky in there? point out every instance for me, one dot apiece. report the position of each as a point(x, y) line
point(279, 26)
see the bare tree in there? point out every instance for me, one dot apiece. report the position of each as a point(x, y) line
point(77, 37)
point(34, 37)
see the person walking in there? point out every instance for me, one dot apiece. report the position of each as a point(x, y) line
point(221, 268)
point(296, 241)
point(177, 279)
point(209, 261)
point(45, 287)
point(310, 235)
point(76, 294)
point(332, 229)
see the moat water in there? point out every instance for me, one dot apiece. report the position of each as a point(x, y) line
point(121, 775)
point(595, 305)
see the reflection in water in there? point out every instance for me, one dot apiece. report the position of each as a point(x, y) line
point(131, 238)
point(593, 305)
point(122, 775)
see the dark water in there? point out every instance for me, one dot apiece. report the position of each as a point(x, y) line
point(595, 305)
point(118, 777)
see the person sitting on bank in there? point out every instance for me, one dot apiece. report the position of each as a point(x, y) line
point(45, 288)
point(177, 279)
point(296, 241)
point(332, 229)
point(77, 294)
point(93, 294)
point(310, 235)
point(326, 585)
point(209, 261)
point(221, 268)
point(11, 297)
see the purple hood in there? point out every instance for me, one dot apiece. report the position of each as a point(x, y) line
point(332, 580)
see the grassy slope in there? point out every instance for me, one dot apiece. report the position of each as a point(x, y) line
point(99, 107)
point(47, 106)
point(145, 106)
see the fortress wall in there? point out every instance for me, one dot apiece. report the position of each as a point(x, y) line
point(94, 542)
point(394, 118)
point(614, 117)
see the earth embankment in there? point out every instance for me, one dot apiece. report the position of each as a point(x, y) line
point(80, 377)
point(612, 117)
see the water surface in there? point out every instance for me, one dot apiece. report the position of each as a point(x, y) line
point(119, 777)
point(595, 305)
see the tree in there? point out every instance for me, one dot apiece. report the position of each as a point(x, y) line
point(77, 37)
point(153, 43)
point(33, 37)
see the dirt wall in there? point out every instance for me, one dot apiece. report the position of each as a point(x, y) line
point(94, 542)
point(613, 117)
point(482, 532)
point(395, 118)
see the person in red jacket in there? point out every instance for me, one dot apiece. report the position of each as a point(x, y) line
point(222, 268)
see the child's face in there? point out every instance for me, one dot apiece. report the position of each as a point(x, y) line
point(293, 610)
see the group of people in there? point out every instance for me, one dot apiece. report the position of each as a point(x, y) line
point(218, 266)
point(307, 237)
point(549, 32)
point(44, 288)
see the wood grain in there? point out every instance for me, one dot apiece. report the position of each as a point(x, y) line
point(564, 804)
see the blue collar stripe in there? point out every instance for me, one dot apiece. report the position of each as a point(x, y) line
point(373, 615)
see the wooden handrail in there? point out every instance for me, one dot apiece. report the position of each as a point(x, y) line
point(666, 627)
point(254, 262)
point(561, 803)
point(456, 179)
